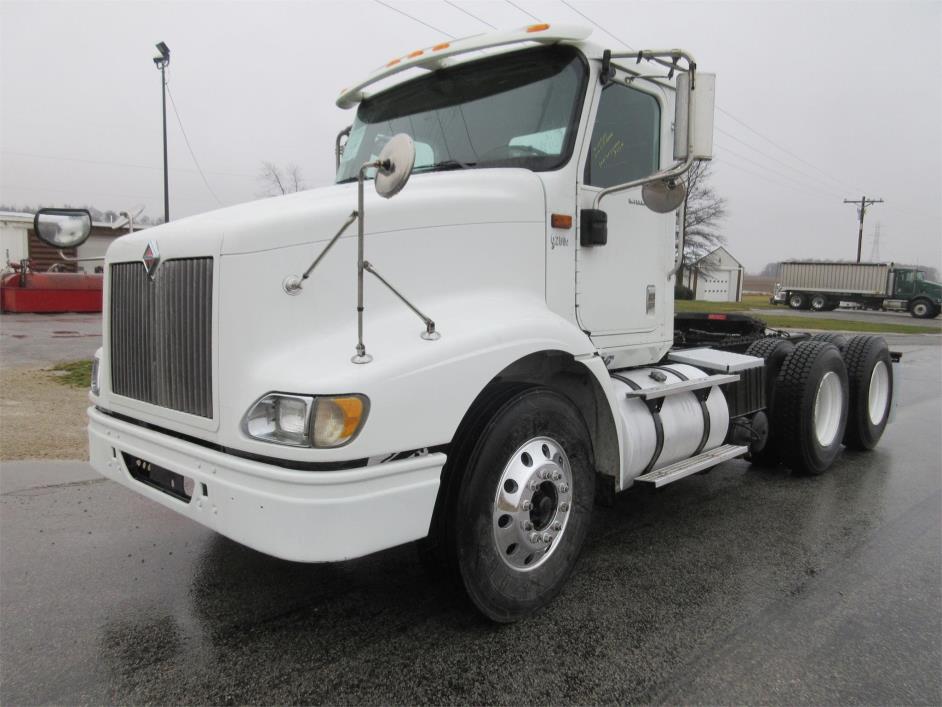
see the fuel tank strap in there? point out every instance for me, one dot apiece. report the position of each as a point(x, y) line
point(702, 396)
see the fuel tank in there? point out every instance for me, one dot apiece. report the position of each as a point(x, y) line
point(663, 431)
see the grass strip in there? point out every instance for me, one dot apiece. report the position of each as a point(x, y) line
point(791, 321)
point(75, 374)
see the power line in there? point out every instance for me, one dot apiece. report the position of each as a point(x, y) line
point(525, 12)
point(718, 107)
point(470, 14)
point(725, 149)
point(190, 148)
point(585, 16)
point(111, 163)
point(808, 175)
point(766, 178)
point(415, 19)
point(72, 191)
point(772, 142)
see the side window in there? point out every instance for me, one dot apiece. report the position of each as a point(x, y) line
point(625, 138)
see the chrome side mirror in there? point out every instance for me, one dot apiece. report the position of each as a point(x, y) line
point(63, 228)
point(664, 195)
point(396, 160)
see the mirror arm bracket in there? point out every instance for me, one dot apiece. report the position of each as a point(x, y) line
point(79, 260)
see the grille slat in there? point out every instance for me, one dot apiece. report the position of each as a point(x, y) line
point(161, 334)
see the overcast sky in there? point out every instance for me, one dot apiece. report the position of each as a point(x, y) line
point(818, 102)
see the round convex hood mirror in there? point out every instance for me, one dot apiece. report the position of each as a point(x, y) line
point(663, 197)
point(63, 228)
point(397, 158)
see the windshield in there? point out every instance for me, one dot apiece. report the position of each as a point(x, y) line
point(513, 110)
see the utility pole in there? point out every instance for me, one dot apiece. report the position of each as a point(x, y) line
point(161, 63)
point(862, 203)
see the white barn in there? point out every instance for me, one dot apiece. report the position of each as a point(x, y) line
point(716, 277)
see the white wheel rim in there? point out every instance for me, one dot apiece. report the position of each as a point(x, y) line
point(828, 404)
point(532, 504)
point(879, 396)
point(920, 309)
point(818, 303)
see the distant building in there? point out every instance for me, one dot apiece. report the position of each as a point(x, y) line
point(19, 242)
point(716, 277)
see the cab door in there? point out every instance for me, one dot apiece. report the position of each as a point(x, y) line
point(623, 296)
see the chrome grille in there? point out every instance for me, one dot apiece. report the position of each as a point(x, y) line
point(161, 334)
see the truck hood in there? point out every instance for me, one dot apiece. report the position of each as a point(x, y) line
point(429, 201)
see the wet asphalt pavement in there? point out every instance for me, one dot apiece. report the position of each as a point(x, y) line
point(739, 586)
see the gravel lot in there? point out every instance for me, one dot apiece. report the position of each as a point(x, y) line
point(39, 417)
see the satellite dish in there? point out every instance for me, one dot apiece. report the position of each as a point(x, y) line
point(397, 159)
point(663, 196)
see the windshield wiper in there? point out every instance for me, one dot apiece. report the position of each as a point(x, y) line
point(444, 166)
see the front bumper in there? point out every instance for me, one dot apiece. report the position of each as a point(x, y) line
point(305, 516)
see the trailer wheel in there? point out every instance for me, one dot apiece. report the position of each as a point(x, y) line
point(923, 309)
point(870, 381)
point(524, 505)
point(798, 300)
point(839, 340)
point(810, 411)
point(819, 303)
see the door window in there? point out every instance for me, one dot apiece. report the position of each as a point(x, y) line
point(626, 137)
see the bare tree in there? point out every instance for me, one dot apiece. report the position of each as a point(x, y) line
point(703, 210)
point(277, 180)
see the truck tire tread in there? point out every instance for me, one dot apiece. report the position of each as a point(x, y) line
point(795, 391)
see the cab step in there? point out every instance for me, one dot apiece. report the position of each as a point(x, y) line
point(686, 467)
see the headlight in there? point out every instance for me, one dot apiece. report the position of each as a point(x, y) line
point(306, 421)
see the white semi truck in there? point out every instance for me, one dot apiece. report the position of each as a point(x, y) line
point(327, 374)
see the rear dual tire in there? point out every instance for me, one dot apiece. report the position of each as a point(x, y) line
point(810, 407)
point(870, 382)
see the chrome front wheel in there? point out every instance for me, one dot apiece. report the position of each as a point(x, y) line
point(532, 503)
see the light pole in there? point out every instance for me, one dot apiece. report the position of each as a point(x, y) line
point(161, 63)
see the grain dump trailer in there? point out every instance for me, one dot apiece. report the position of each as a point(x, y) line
point(464, 358)
point(822, 286)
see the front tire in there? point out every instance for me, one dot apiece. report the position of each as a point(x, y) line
point(810, 412)
point(524, 506)
point(923, 309)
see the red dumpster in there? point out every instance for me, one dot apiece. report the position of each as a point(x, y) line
point(50, 292)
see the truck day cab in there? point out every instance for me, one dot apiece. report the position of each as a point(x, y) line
point(487, 350)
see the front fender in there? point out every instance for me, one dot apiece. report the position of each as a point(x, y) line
point(419, 390)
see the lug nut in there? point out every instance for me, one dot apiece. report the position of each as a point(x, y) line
point(564, 488)
point(526, 525)
point(535, 538)
point(563, 507)
point(534, 485)
point(557, 526)
point(557, 476)
point(526, 506)
point(547, 538)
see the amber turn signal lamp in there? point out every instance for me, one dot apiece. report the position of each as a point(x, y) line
point(561, 221)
